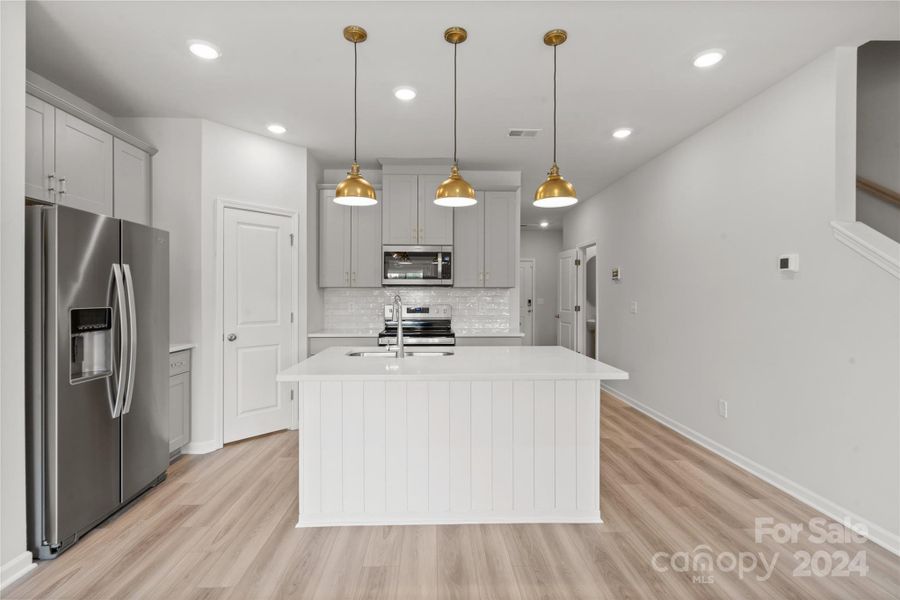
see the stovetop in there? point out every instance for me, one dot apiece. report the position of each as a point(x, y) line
point(422, 325)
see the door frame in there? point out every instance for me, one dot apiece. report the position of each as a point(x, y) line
point(297, 287)
point(533, 264)
point(581, 293)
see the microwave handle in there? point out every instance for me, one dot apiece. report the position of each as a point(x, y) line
point(440, 261)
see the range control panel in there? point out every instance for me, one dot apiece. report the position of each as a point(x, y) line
point(425, 312)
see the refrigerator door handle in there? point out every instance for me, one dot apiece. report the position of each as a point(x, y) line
point(123, 342)
point(132, 338)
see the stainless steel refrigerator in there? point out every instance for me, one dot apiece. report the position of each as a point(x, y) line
point(97, 342)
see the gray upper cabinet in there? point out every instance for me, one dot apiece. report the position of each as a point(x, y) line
point(484, 246)
point(40, 182)
point(400, 199)
point(84, 159)
point(435, 222)
point(73, 162)
point(131, 183)
point(410, 215)
point(365, 246)
point(349, 244)
point(334, 242)
point(468, 245)
point(500, 265)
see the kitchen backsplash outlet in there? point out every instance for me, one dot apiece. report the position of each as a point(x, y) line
point(474, 310)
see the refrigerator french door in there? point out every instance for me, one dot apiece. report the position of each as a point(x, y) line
point(97, 348)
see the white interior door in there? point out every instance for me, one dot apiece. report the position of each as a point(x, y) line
point(567, 295)
point(257, 322)
point(526, 301)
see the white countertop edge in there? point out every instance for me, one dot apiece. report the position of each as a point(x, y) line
point(180, 347)
point(354, 334)
point(342, 334)
point(452, 377)
point(487, 334)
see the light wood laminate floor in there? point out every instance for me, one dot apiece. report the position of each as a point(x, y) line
point(222, 526)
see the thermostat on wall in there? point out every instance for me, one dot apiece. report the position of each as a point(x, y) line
point(615, 274)
point(789, 262)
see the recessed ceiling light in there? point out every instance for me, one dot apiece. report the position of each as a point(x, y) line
point(708, 58)
point(621, 133)
point(203, 49)
point(276, 128)
point(545, 224)
point(404, 93)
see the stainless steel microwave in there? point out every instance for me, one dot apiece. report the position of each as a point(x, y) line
point(417, 265)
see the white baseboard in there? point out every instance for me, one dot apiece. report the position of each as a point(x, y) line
point(15, 568)
point(876, 533)
point(470, 518)
point(201, 447)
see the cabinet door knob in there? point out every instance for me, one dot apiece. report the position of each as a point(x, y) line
point(51, 186)
point(231, 337)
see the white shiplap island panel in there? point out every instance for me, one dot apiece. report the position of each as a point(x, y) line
point(398, 445)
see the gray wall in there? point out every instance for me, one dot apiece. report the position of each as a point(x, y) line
point(807, 363)
point(544, 247)
point(315, 308)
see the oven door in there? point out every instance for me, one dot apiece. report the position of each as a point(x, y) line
point(417, 265)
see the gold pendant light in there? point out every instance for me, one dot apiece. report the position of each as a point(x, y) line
point(354, 190)
point(455, 191)
point(555, 192)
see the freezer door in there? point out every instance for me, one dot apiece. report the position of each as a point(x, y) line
point(81, 436)
point(145, 418)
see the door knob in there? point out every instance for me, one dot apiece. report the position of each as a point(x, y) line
point(231, 337)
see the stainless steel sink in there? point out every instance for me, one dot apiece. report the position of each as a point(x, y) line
point(391, 354)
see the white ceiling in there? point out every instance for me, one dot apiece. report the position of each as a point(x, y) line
point(625, 64)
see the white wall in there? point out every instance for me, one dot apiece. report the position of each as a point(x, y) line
point(176, 208)
point(878, 133)
point(14, 558)
point(198, 163)
point(544, 247)
point(809, 363)
point(250, 168)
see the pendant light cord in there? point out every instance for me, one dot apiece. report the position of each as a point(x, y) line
point(554, 105)
point(355, 77)
point(454, 104)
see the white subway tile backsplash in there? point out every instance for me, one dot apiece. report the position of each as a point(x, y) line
point(474, 310)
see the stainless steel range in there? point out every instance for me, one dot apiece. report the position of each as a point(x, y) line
point(422, 326)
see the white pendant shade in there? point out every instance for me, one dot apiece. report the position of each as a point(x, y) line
point(355, 200)
point(456, 202)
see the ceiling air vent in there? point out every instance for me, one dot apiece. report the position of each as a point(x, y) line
point(523, 133)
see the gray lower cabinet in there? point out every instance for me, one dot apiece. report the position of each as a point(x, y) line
point(179, 399)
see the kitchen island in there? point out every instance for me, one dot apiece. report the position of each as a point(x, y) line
point(485, 435)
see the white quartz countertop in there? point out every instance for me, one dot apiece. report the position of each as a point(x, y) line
point(466, 334)
point(180, 347)
point(466, 363)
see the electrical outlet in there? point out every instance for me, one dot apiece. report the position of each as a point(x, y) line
point(723, 409)
point(634, 307)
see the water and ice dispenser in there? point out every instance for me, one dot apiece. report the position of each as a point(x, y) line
point(90, 335)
